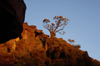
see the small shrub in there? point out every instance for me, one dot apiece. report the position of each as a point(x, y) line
point(77, 46)
point(71, 41)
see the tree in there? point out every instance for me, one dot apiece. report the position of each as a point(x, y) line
point(71, 41)
point(59, 25)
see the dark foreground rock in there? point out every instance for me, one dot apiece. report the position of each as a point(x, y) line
point(37, 49)
point(12, 13)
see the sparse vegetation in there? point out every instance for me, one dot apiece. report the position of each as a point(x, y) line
point(59, 25)
point(71, 41)
point(30, 51)
point(77, 46)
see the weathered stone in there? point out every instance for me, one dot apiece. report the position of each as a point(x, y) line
point(12, 13)
point(11, 45)
point(28, 31)
point(42, 51)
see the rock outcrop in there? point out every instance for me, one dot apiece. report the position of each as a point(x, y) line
point(12, 14)
point(37, 49)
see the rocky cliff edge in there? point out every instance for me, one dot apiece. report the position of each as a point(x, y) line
point(35, 48)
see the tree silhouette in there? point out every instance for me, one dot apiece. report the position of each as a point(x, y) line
point(71, 41)
point(59, 25)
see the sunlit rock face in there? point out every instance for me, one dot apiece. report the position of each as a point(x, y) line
point(11, 45)
point(12, 13)
point(28, 31)
point(37, 49)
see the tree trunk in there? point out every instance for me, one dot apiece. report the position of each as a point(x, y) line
point(52, 34)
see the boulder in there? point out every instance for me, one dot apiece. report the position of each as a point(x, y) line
point(12, 14)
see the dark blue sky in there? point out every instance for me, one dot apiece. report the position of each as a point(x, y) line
point(84, 24)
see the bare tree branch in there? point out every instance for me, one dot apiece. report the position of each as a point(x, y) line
point(60, 22)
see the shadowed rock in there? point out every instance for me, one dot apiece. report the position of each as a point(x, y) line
point(12, 13)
